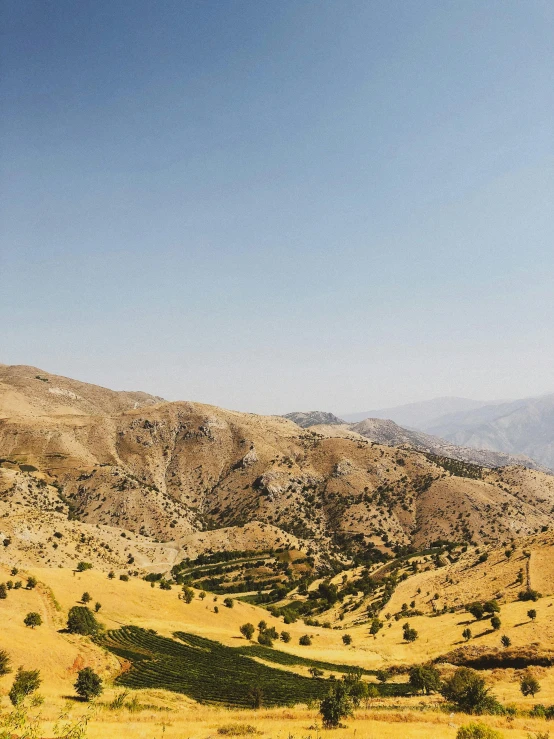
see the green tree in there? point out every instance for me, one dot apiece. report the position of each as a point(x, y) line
point(376, 626)
point(31, 583)
point(285, 636)
point(466, 633)
point(82, 566)
point(315, 672)
point(346, 639)
point(466, 688)
point(409, 634)
point(476, 610)
point(382, 675)
point(506, 641)
point(88, 684)
point(496, 623)
point(532, 614)
point(529, 685)
point(491, 606)
point(188, 594)
point(265, 639)
point(81, 621)
point(336, 705)
point(24, 684)
point(305, 641)
point(97, 606)
point(256, 696)
point(247, 630)
point(86, 598)
point(425, 679)
point(5, 663)
point(33, 619)
point(477, 731)
point(3, 591)
point(228, 602)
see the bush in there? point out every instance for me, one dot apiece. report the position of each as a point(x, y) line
point(466, 688)
point(346, 639)
point(31, 583)
point(81, 621)
point(33, 619)
point(124, 578)
point(506, 641)
point(285, 637)
point(532, 614)
point(477, 731)
point(409, 634)
point(86, 598)
point(247, 630)
point(496, 623)
point(188, 594)
point(3, 591)
point(466, 633)
point(476, 610)
point(529, 685)
point(24, 684)
point(265, 639)
point(237, 730)
point(5, 663)
point(336, 705)
point(529, 594)
point(88, 684)
point(228, 602)
point(382, 675)
point(82, 566)
point(425, 679)
point(305, 641)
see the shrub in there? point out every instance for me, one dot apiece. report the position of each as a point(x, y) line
point(188, 594)
point(476, 610)
point(81, 621)
point(33, 619)
point(86, 598)
point(237, 730)
point(346, 639)
point(336, 705)
point(256, 695)
point(31, 583)
point(409, 634)
point(529, 685)
point(532, 614)
point(425, 679)
point(285, 636)
point(466, 688)
point(5, 663)
point(466, 633)
point(496, 623)
point(529, 594)
point(506, 641)
point(265, 639)
point(3, 591)
point(88, 684)
point(305, 641)
point(24, 684)
point(228, 602)
point(382, 675)
point(82, 566)
point(124, 578)
point(477, 731)
point(97, 606)
point(247, 630)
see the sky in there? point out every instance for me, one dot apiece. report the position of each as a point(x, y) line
point(276, 206)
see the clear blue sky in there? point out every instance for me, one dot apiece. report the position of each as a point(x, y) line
point(281, 205)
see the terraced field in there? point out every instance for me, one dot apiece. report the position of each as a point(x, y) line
point(210, 672)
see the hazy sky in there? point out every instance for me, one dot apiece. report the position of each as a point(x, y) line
point(278, 206)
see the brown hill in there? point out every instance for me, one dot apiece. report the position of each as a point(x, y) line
point(167, 471)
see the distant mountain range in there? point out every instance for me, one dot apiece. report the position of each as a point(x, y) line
point(418, 415)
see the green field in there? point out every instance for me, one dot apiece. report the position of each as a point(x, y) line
point(210, 672)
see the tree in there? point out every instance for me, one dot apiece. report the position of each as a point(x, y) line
point(476, 610)
point(382, 675)
point(3, 591)
point(31, 583)
point(285, 637)
point(188, 594)
point(228, 602)
point(265, 639)
point(336, 705)
point(496, 623)
point(346, 639)
point(376, 626)
point(529, 685)
point(82, 566)
point(491, 606)
point(86, 598)
point(88, 684)
point(466, 633)
point(25, 683)
point(97, 606)
point(5, 663)
point(410, 634)
point(33, 619)
point(425, 679)
point(532, 614)
point(202, 595)
point(81, 621)
point(256, 696)
point(466, 688)
point(247, 630)
point(315, 672)
point(506, 641)
point(305, 641)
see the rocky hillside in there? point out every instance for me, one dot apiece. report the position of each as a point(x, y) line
point(313, 418)
point(173, 474)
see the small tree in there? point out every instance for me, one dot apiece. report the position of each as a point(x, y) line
point(382, 675)
point(81, 621)
point(265, 639)
point(529, 685)
point(5, 663)
point(425, 679)
point(202, 595)
point(496, 623)
point(409, 634)
point(305, 641)
point(33, 619)
point(256, 696)
point(532, 614)
point(506, 641)
point(88, 684)
point(228, 602)
point(188, 594)
point(466, 633)
point(336, 705)
point(3, 591)
point(31, 583)
point(82, 566)
point(346, 639)
point(476, 610)
point(466, 688)
point(477, 731)
point(285, 637)
point(247, 630)
point(97, 606)
point(25, 683)
point(86, 598)
point(315, 672)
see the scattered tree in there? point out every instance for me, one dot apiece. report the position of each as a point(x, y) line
point(466, 688)
point(466, 633)
point(82, 566)
point(346, 639)
point(5, 663)
point(285, 637)
point(425, 679)
point(24, 684)
point(228, 602)
point(33, 619)
point(336, 705)
point(86, 598)
point(382, 675)
point(247, 630)
point(506, 641)
point(532, 614)
point(305, 641)
point(256, 696)
point(3, 591)
point(529, 685)
point(188, 594)
point(496, 623)
point(31, 583)
point(88, 684)
point(97, 606)
point(81, 621)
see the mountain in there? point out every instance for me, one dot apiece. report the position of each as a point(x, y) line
point(388, 432)
point(518, 427)
point(419, 415)
point(313, 418)
point(113, 476)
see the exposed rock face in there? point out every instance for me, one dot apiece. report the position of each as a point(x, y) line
point(313, 418)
